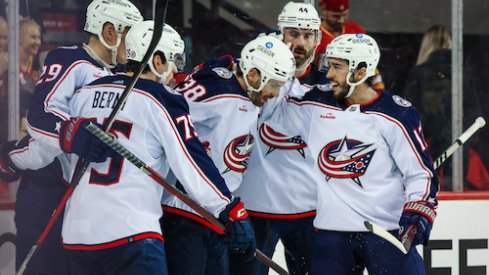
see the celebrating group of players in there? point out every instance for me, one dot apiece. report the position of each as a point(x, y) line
point(272, 144)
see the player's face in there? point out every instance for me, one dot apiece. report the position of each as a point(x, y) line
point(30, 39)
point(303, 43)
point(121, 51)
point(335, 20)
point(337, 72)
point(271, 90)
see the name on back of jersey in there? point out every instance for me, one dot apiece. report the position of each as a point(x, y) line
point(105, 99)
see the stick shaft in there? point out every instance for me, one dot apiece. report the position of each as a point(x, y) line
point(478, 123)
point(109, 140)
point(81, 165)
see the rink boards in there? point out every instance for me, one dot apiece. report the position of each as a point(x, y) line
point(459, 240)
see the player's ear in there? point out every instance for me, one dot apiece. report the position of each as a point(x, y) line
point(109, 33)
point(254, 77)
point(360, 73)
point(158, 63)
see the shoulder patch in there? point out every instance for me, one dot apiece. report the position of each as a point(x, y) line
point(223, 72)
point(325, 87)
point(172, 91)
point(69, 47)
point(401, 101)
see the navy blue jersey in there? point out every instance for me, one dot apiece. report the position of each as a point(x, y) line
point(313, 76)
point(66, 69)
point(213, 78)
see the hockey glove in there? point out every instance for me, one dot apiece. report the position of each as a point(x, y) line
point(240, 229)
point(74, 138)
point(8, 171)
point(418, 215)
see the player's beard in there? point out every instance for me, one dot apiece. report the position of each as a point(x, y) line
point(342, 94)
point(334, 26)
point(300, 61)
point(257, 98)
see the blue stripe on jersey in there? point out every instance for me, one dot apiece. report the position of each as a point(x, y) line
point(402, 111)
point(65, 58)
point(213, 78)
point(392, 106)
point(176, 106)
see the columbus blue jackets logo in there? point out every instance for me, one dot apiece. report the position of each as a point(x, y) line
point(275, 140)
point(237, 153)
point(346, 158)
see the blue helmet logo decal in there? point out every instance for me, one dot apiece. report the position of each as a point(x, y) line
point(269, 45)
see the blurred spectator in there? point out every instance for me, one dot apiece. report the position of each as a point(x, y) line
point(429, 88)
point(334, 22)
point(29, 43)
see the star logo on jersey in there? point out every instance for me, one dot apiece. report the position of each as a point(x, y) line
point(237, 153)
point(275, 140)
point(346, 158)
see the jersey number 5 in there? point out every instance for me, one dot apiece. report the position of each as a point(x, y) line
point(113, 173)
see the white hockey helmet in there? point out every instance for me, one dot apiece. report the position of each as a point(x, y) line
point(271, 57)
point(171, 44)
point(299, 16)
point(356, 49)
point(121, 13)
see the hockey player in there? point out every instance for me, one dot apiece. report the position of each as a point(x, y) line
point(224, 100)
point(118, 231)
point(279, 186)
point(335, 22)
point(372, 164)
point(66, 69)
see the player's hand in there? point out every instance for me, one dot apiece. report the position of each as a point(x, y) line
point(75, 138)
point(240, 229)
point(8, 171)
point(420, 215)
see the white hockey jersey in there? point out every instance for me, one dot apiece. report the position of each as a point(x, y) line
point(225, 119)
point(115, 202)
point(66, 69)
point(370, 159)
point(279, 182)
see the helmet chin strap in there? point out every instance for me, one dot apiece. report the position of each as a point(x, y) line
point(162, 76)
point(94, 55)
point(353, 85)
point(113, 49)
point(250, 89)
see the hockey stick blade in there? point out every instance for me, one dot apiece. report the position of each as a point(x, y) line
point(81, 165)
point(109, 140)
point(407, 239)
point(384, 234)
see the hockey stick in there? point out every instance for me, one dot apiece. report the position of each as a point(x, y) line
point(81, 165)
point(405, 243)
point(109, 140)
